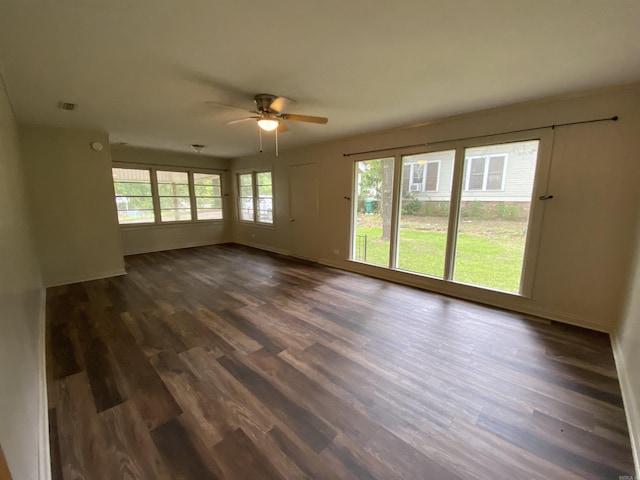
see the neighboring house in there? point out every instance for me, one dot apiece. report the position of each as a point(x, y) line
point(496, 173)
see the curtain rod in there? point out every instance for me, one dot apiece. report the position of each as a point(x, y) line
point(608, 119)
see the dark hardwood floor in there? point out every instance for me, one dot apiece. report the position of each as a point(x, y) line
point(227, 362)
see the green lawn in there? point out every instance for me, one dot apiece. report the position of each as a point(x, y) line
point(488, 253)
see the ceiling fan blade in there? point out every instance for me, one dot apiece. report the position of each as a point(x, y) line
point(304, 118)
point(232, 122)
point(280, 104)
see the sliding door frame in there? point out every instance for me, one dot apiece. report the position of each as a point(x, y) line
point(545, 139)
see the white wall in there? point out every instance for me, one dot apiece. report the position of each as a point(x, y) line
point(152, 238)
point(626, 344)
point(23, 432)
point(588, 230)
point(74, 213)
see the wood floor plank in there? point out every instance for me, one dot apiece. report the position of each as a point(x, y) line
point(134, 454)
point(313, 396)
point(81, 439)
point(311, 429)
point(182, 457)
point(226, 362)
point(201, 410)
point(240, 459)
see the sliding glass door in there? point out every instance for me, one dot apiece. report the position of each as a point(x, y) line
point(373, 202)
point(425, 199)
point(461, 215)
point(495, 202)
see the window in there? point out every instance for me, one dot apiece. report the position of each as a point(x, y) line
point(154, 195)
point(469, 223)
point(255, 197)
point(208, 193)
point(485, 172)
point(134, 201)
point(423, 176)
point(173, 191)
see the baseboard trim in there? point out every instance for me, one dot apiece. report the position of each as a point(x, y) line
point(176, 247)
point(631, 405)
point(266, 248)
point(67, 281)
point(44, 454)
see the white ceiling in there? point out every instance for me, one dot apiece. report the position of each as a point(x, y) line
point(143, 70)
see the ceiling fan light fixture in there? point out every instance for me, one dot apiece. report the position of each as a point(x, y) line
point(268, 124)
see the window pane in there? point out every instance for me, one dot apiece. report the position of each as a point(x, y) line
point(175, 215)
point(424, 215)
point(207, 191)
point(172, 177)
point(246, 191)
point(245, 179)
point(246, 209)
point(175, 202)
point(134, 203)
point(209, 179)
point(209, 202)
point(493, 225)
point(132, 188)
point(264, 178)
point(136, 216)
point(264, 190)
point(171, 189)
point(133, 195)
point(265, 210)
point(372, 216)
point(209, 214)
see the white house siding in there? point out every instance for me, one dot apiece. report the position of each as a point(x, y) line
point(519, 174)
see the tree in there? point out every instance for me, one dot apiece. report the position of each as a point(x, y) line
point(377, 183)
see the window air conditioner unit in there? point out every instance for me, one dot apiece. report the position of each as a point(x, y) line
point(415, 187)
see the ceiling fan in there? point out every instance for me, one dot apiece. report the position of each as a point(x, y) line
point(269, 114)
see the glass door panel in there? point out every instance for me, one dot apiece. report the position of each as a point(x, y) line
point(495, 202)
point(373, 203)
point(425, 199)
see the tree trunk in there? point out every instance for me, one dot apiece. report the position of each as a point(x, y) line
point(386, 198)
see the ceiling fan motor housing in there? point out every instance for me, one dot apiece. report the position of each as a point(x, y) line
point(263, 101)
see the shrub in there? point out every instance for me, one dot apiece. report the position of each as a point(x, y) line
point(412, 207)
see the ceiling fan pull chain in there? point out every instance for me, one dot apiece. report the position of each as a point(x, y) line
point(260, 134)
point(277, 142)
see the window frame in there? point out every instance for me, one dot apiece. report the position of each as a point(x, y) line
point(195, 197)
point(151, 196)
point(534, 230)
point(255, 197)
point(153, 169)
point(160, 197)
point(485, 173)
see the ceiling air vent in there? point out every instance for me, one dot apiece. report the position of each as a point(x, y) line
point(66, 106)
